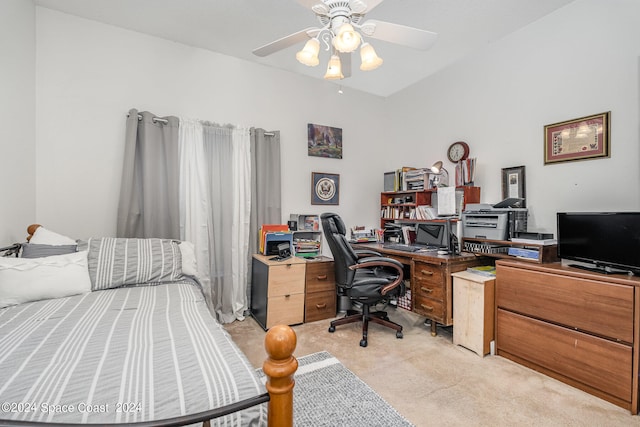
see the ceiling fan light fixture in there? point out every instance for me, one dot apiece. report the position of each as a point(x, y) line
point(309, 53)
point(347, 40)
point(368, 57)
point(334, 69)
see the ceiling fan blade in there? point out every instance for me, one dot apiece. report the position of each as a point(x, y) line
point(399, 34)
point(285, 42)
point(345, 64)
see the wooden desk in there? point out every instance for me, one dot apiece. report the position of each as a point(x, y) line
point(430, 280)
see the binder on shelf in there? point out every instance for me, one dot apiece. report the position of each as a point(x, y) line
point(267, 228)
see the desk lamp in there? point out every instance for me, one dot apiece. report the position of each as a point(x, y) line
point(442, 176)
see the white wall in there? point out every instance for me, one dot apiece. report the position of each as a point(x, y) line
point(581, 60)
point(578, 61)
point(17, 107)
point(89, 75)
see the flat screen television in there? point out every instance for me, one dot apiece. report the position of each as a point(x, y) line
point(609, 241)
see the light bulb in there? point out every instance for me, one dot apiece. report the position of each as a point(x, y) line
point(334, 69)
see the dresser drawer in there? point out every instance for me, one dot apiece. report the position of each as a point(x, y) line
point(285, 310)
point(320, 277)
point(429, 308)
point(320, 305)
point(286, 279)
point(595, 362)
point(587, 305)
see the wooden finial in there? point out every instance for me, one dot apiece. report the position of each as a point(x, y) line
point(280, 343)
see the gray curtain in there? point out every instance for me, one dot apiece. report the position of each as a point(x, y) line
point(265, 188)
point(149, 198)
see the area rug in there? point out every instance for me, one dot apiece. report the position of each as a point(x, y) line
point(326, 393)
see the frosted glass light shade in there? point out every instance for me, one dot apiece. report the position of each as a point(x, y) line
point(334, 69)
point(309, 53)
point(347, 40)
point(368, 57)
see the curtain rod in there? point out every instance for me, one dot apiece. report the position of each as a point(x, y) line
point(165, 121)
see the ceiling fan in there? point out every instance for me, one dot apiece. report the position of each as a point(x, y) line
point(342, 29)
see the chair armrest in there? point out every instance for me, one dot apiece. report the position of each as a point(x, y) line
point(364, 252)
point(373, 262)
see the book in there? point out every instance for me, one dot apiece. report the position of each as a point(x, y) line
point(484, 270)
point(524, 253)
point(543, 242)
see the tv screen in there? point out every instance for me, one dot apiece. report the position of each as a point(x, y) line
point(433, 234)
point(605, 239)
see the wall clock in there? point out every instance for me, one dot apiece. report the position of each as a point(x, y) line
point(458, 151)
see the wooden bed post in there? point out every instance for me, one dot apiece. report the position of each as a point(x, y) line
point(280, 342)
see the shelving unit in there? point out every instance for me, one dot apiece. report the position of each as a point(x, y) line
point(401, 205)
point(499, 249)
point(307, 239)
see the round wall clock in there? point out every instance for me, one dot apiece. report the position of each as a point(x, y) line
point(458, 151)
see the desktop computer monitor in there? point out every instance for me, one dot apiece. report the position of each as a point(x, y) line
point(433, 234)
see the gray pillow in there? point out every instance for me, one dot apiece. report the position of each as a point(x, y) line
point(33, 250)
point(115, 262)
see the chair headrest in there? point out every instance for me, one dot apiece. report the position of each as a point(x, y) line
point(336, 224)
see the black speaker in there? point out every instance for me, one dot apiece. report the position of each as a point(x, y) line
point(293, 225)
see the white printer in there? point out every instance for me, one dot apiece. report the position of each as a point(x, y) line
point(484, 221)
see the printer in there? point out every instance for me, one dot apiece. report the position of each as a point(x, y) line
point(484, 221)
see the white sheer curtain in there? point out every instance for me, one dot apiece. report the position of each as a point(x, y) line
point(215, 196)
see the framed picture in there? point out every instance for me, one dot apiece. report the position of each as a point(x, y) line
point(325, 188)
point(513, 184)
point(324, 141)
point(577, 139)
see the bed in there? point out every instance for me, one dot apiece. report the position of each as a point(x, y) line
point(115, 333)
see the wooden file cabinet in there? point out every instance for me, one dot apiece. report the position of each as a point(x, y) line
point(277, 291)
point(473, 311)
point(579, 327)
point(320, 290)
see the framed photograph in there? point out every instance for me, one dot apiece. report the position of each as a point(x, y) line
point(324, 141)
point(325, 188)
point(513, 184)
point(577, 139)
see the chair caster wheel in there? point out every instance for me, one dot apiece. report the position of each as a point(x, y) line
point(332, 329)
point(399, 334)
point(363, 343)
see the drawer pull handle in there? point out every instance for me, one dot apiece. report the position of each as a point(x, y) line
point(426, 272)
point(287, 296)
point(427, 290)
point(321, 306)
point(322, 277)
point(426, 307)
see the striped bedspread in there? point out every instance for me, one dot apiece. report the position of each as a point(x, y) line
point(122, 355)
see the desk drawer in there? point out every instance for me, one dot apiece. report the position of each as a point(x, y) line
point(427, 274)
point(320, 277)
point(429, 308)
point(285, 310)
point(286, 279)
point(583, 304)
point(320, 305)
point(595, 362)
point(428, 289)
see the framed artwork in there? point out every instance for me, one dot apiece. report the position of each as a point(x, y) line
point(513, 184)
point(325, 188)
point(324, 141)
point(577, 139)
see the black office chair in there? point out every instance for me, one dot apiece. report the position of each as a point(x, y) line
point(364, 276)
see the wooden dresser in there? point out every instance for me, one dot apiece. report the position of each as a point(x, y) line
point(320, 289)
point(579, 327)
point(277, 291)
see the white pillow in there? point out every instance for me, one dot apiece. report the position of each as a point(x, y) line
point(33, 279)
point(189, 265)
point(42, 236)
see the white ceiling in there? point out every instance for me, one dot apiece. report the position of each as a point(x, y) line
point(236, 27)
